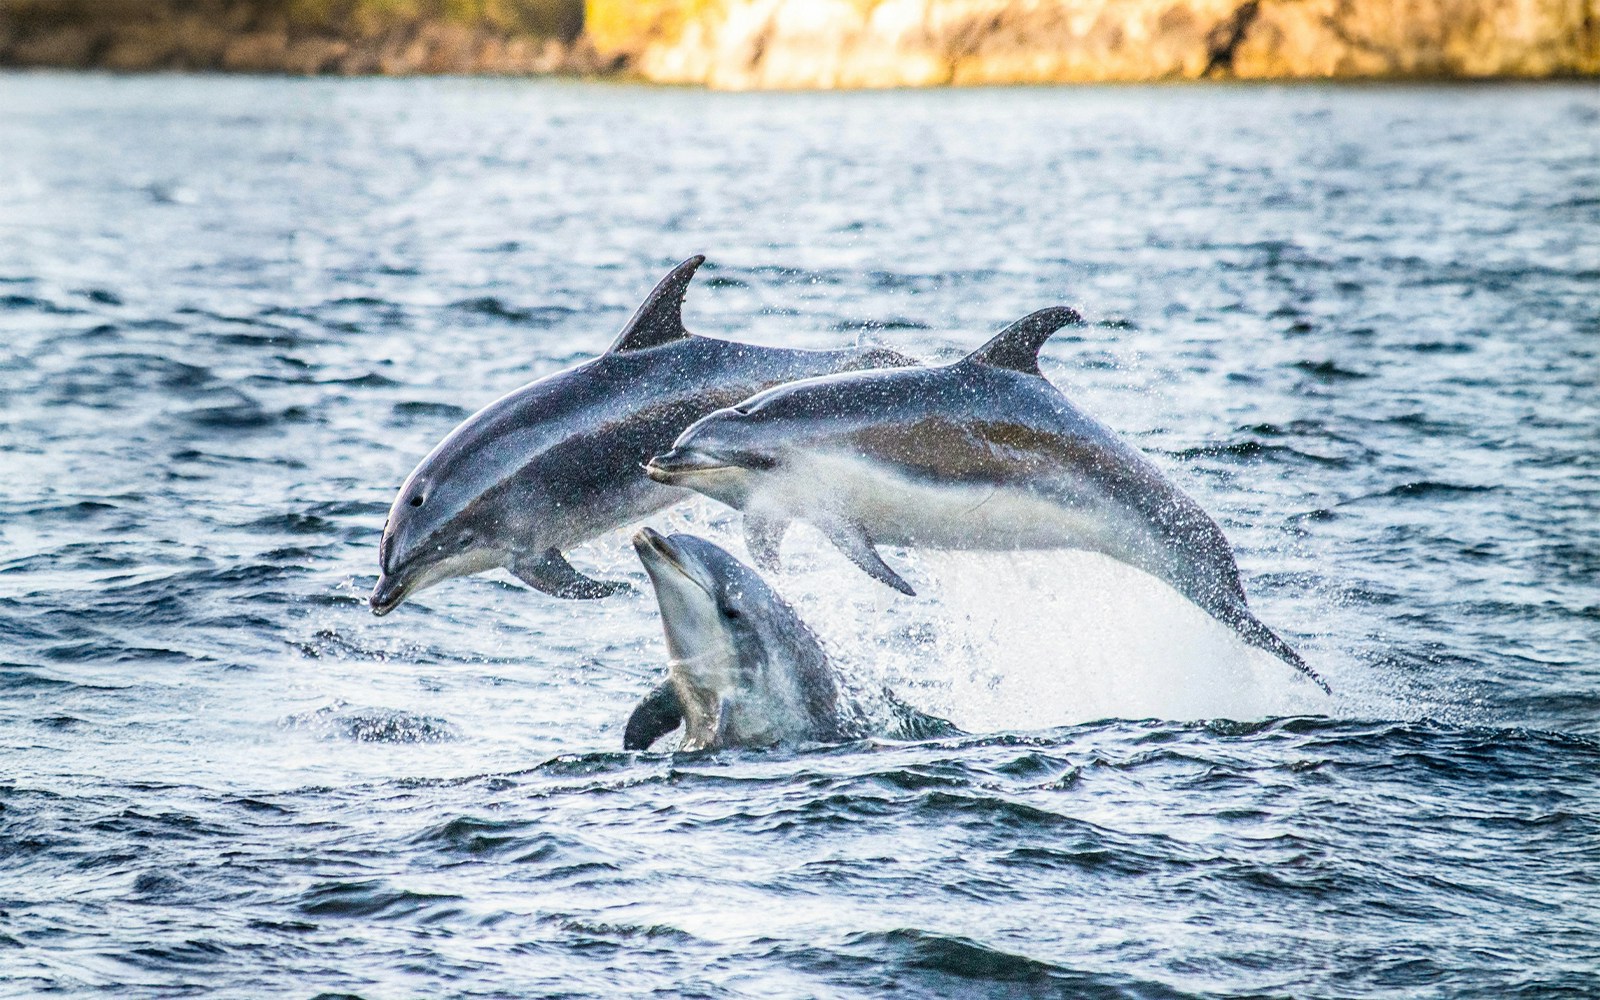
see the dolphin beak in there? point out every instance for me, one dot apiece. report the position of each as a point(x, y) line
point(672, 467)
point(653, 546)
point(664, 560)
point(669, 467)
point(387, 595)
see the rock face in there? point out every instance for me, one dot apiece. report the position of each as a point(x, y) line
point(753, 44)
point(299, 36)
point(748, 44)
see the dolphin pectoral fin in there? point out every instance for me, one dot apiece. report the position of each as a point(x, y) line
point(855, 544)
point(659, 714)
point(763, 536)
point(553, 575)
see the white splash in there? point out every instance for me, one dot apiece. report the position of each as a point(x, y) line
point(1032, 640)
point(1008, 641)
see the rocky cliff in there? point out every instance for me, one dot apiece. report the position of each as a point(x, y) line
point(744, 44)
point(299, 36)
point(748, 44)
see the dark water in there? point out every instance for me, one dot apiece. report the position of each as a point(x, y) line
point(1360, 325)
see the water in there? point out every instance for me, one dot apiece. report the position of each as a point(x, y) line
point(1358, 324)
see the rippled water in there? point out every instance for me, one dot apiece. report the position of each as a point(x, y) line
point(1360, 325)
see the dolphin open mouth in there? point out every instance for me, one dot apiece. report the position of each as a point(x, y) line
point(387, 595)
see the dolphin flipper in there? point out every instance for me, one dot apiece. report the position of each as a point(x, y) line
point(855, 544)
point(553, 575)
point(763, 536)
point(659, 714)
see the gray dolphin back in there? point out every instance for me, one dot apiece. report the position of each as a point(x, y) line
point(1190, 551)
point(1172, 538)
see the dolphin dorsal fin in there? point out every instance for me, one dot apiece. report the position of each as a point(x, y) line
point(1017, 346)
point(660, 319)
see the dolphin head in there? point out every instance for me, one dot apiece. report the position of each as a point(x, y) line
point(457, 514)
point(712, 606)
point(747, 669)
point(430, 536)
point(729, 452)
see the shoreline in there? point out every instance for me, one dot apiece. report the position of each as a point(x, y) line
point(624, 79)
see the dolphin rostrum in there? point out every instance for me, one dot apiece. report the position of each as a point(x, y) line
point(983, 453)
point(745, 671)
point(559, 461)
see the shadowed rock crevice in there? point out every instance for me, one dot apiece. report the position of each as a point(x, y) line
point(1224, 39)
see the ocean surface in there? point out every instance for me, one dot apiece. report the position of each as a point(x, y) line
point(1361, 325)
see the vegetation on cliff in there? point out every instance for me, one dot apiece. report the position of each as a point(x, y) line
point(299, 36)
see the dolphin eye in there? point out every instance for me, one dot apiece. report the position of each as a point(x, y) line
point(731, 613)
point(416, 501)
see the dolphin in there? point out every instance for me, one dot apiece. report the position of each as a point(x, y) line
point(983, 453)
point(745, 671)
point(559, 461)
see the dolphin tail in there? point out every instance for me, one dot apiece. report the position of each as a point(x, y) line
point(1252, 630)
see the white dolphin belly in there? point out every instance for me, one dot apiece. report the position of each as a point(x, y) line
point(894, 508)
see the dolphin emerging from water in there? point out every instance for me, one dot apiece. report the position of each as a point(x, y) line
point(983, 453)
point(745, 670)
point(559, 461)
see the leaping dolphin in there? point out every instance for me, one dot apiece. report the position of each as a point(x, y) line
point(983, 453)
point(745, 671)
point(559, 461)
